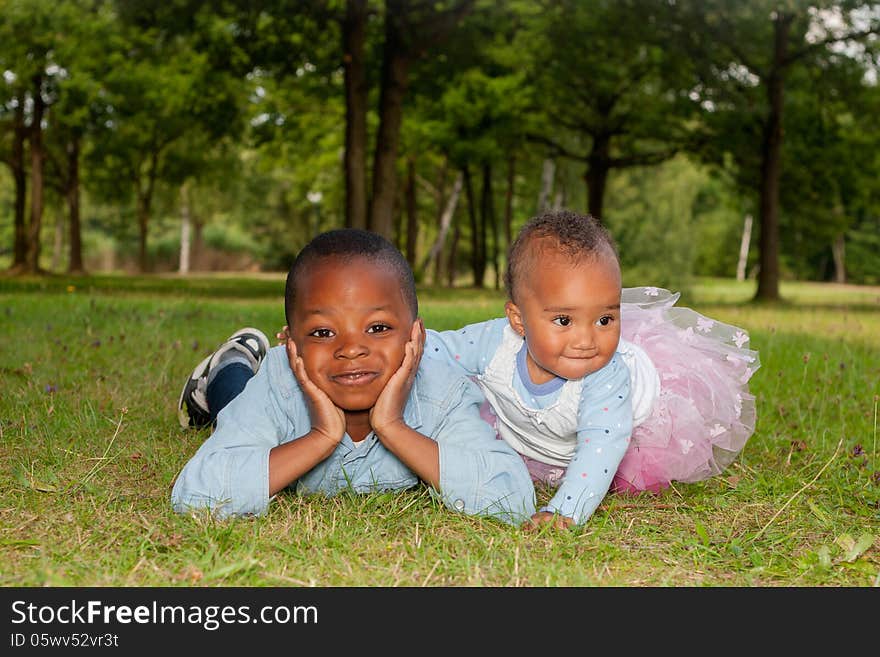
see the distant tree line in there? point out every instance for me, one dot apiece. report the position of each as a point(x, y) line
point(443, 125)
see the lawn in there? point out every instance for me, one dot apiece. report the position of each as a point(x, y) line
point(91, 369)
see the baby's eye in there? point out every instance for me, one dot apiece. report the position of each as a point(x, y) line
point(378, 328)
point(321, 333)
point(562, 320)
point(605, 320)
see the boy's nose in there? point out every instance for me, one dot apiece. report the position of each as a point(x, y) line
point(351, 347)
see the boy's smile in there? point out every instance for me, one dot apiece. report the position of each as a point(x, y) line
point(350, 322)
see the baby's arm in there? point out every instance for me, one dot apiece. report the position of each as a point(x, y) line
point(604, 429)
point(470, 347)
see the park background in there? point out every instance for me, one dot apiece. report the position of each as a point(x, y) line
point(165, 161)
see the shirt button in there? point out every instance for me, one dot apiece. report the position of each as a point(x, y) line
point(459, 505)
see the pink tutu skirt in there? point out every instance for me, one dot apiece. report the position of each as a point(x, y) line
point(704, 413)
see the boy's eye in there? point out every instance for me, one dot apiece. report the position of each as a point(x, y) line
point(605, 320)
point(562, 320)
point(321, 333)
point(378, 328)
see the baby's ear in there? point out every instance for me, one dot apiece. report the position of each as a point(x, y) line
point(514, 317)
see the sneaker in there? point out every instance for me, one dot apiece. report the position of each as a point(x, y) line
point(192, 407)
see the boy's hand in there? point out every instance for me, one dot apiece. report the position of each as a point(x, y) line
point(327, 418)
point(283, 335)
point(542, 518)
point(388, 409)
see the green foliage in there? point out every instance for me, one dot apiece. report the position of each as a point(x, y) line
point(654, 220)
point(862, 247)
point(246, 107)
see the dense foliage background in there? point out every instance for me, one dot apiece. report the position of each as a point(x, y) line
point(183, 135)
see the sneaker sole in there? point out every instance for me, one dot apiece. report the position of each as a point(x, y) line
point(185, 412)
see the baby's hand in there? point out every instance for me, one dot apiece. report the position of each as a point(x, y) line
point(326, 417)
point(388, 408)
point(542, 518)
point(283, 335)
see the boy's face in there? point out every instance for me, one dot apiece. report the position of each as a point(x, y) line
point(350, 323)
point(569, 314)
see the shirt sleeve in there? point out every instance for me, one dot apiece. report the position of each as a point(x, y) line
point(603, 434)
point(480, 474)
point(470, 347)
point(229, 474)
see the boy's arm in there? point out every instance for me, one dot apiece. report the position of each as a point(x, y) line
point(604, 429)
point(290, 461)
point(473, 472)
point(249, 457)
point(479, 473)
point(418, 452)
point(229, 472)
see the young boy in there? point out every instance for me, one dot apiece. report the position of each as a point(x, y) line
point(348, 403)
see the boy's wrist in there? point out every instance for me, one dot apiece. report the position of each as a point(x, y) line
point(389, 430)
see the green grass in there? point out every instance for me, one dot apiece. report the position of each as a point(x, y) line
point(91, 368)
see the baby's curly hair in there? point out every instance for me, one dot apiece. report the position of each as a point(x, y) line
point(575, 236)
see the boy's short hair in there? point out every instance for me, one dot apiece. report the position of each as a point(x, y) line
point(348, 243)
point(576, 236)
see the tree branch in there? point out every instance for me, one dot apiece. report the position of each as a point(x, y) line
point(642, 159)
point(555, 147)
point(813, 47)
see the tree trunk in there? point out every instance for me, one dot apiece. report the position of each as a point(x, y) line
point(412, 219)
point(559, 199)
point(19, 135)
point(354, 28)
point(547, 173)
point(75, 262)
point(744, 249)
point(771, 167)
point(185, 230)
point(445, 223)
point(395, 67)
point(143, 219)
point(478, 248)
point(598, 166)
point(32, 261)
point(487, 208)
point(453, 253)
point(58, 242)
point(508, 202)
point(144, 203)
point(838, 252)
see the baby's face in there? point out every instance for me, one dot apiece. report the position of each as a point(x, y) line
point(569, 313)
point(351, 323)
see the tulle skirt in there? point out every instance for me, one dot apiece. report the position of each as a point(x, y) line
point(704, 413)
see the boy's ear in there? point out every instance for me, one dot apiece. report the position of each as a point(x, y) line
point(515, 318)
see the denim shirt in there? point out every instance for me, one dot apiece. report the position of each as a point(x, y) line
point(479, 475)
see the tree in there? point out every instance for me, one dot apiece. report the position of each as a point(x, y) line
point(158, 92)
point(28, 34)
point(613, 96)
point(828, 173)
point(412, 28)
point(745, 54)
